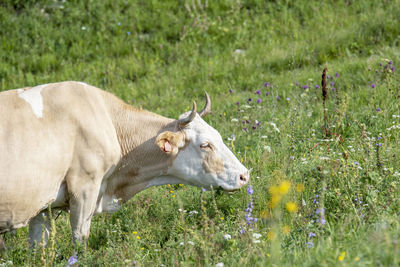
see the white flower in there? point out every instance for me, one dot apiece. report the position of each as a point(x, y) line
point(239, 51)
point(83, 28)
point(309, 114)
point(219, 264)
point(256, 235)
point(267, 148)
point(246, 106)
point(264, 137)
point(255, 241)
point(274, 126)
point(191, 243)
point(234, 120)
point(181, 243)
point(227, 236)
point(193, 212)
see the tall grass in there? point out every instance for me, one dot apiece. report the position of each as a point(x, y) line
point(316, 198)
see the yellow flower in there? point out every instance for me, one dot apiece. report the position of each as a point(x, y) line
point(173, 195)
point(274, 190)
point(341, 256)
point(268, 255)
point(180, 184)
point(271, 235)
point(171, 191)
point(291, 207)
point(299, 188)
point(134, 232)
point(142, 248)
point(286, 230)
point(356, 259)
point(274, 201)
point(222, 218)
point(138, 237)
point(284, 187)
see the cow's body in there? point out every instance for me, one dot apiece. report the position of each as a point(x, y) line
point(74, 146)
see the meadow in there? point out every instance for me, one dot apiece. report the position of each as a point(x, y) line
point(325, 175)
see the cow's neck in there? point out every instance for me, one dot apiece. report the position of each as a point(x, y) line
point(141, 159)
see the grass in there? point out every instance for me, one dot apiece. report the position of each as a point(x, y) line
point(161, 55)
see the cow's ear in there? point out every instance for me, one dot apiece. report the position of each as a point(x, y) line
point(170, 142)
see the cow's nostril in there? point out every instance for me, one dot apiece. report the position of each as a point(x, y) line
point(244, 178)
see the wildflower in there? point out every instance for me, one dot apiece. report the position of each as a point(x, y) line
point(373, 85)
point(230, 90)
point(337, 75)
point(173, 196)
point(267, 93)
point(291, 207)
point(291, 157)
point(245, 129)
point(321, 221)
point(266, 84)
point(138, 237)
point(356, 259)
point(203, 189)
point(267, 148)
point(310, 244)
point(286, 230)
point(311, 234)
point(142, 248)
point(222, 218)
point(258, 92)
point(72, 260)
point(227, 236)
point(305, 86)
point(249, 99)
point(171, 191)
point(259, 100)
point(256, 241)
point(284, 187)
point(299, 188)
point(256, 235)
point(390, 62)
point(278, 97)
point(119, 23)
point(193, 212)
point(232, 137)
point(341, 256)
point(271, 236)
point(320, 211)
point(134, 232)
point(317, 86)
point(356, 163)
point(191, 243)
point(250, 190)
point(128, 33)
point(332, 83)
point(238, 103)
point(219, 264)
point(378, 109)
point(241, 231)
point(328, 76)
point(83, 28)
point(333, 89)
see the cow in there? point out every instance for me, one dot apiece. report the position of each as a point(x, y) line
point(73, 146)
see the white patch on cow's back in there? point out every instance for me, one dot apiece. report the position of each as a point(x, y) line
point(34, 98)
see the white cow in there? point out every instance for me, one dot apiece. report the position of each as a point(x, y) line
point(77, 147)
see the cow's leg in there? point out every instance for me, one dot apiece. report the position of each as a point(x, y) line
point(36, 226)
point(82, 205)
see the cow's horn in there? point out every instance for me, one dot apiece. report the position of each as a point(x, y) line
point(189, 118)
point(207, 108)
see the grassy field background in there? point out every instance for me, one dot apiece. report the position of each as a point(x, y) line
point(315, 200)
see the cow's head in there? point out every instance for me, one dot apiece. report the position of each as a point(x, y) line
point(200, 156)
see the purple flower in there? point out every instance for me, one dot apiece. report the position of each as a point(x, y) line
point(266, 84)
point(297, 83)
point(291, 157)
point(321, 221)
point(267, 93)
point(230, 90)
point(259, 100)
point(254, 127)
point(378, 109)
point(379, 144)
point(245, 129)
point(203, 189)
point(258, 92)
point(328, 76)
point(333, 89)
point(288, 98)
point(337, 75)
point(72, 260)
point(356, 163)
point(380, 64)
point(247, 121)
point(311, 234)
point(305, 86)
point(390, 62)
point(278, 97)
point(310, 244)
point(332, 83)
point(250, 190)
point(241, 231)
point(373, 85)
point(258, 123)
point(119, 23)
point(392, 68)
point(317, 86)
point(320, 211)
point(128, 33)
point(238, 103)
point(249, 99)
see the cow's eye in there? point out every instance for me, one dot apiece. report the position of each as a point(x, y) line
point(206, 146)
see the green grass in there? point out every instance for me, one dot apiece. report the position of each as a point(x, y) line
point(176, 50)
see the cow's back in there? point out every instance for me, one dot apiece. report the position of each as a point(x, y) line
point(43, 131)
